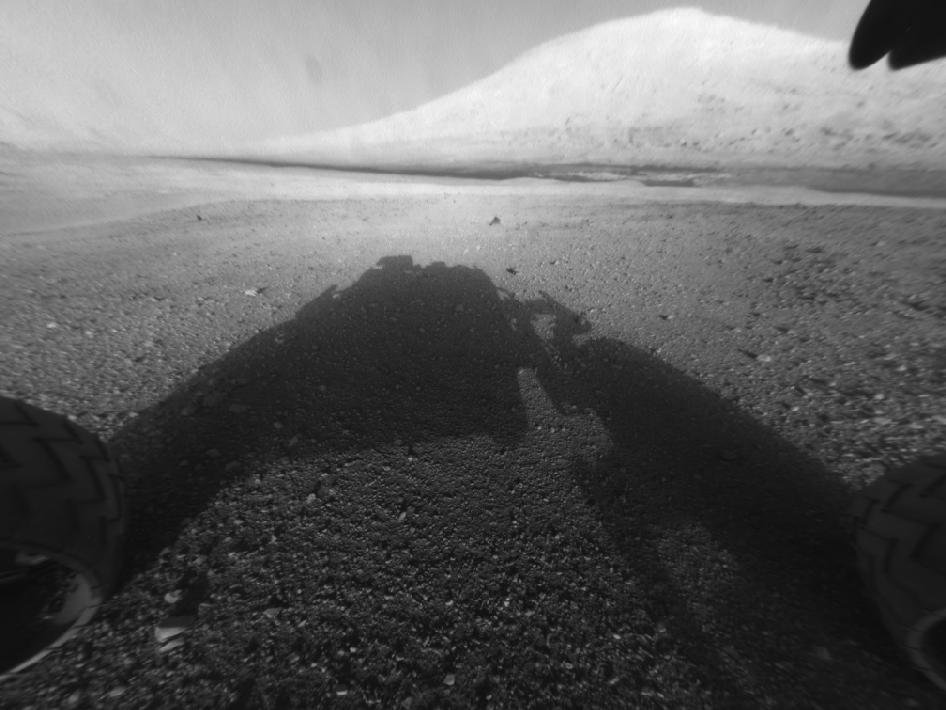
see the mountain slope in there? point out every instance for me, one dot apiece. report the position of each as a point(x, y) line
point(680, 86)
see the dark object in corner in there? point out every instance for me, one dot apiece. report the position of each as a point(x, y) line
point(910, 32)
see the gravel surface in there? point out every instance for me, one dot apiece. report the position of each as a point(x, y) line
point(382, 452)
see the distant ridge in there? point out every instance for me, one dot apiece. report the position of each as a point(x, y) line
point(676, 86)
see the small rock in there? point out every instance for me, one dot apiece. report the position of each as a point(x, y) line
point(170, 645)
point(116, 692)
point(823, 654)
point(251, 292)
point(172, 626)
point(764, 358)
point(311, 498)
point(231, 466)
point(174, 596)
point(52, 325)
point(450, 679)
point(494, 221)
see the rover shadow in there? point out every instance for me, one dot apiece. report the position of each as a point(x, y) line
point(406, 355)
point(410, 355)
point(690, 473)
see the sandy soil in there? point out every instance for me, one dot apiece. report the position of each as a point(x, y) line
point(384, 453)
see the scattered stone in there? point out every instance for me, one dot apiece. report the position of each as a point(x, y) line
point(170, 645)
point(52, 325)
point(174, 596)
point(764, 358)
point(450, 679)
point(252, 292)
point(494, 221)
point(171, 627)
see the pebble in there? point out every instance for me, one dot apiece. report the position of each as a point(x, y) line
point(449, 679)
point(172, 626)
point(171, 645)
point(764, 358)
point(173, 597)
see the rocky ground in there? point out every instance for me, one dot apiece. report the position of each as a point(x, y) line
point(393, 452)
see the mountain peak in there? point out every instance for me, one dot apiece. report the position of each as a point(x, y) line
point(678, 85)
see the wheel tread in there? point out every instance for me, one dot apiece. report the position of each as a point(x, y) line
point(900, 539)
